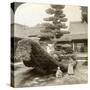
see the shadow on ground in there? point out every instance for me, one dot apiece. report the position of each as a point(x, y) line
point(25, 77)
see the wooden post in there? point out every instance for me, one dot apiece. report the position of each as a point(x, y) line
point(73, 46)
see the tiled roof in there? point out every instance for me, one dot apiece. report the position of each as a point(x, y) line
point(69, 37)
point(77, 30)
point(22, 31)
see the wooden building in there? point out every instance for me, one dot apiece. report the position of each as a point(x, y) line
point(78, 37)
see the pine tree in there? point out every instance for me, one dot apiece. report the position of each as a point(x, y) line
point(56, 21)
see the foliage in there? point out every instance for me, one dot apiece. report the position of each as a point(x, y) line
point(84, 13)
point(56, 21)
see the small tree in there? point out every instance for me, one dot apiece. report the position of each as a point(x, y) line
point(84, 13)
point(56, 21)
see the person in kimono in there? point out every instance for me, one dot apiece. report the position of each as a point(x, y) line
point(59, 73)
point(70, 67)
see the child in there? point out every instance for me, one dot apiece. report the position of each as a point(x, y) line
point(58, 73)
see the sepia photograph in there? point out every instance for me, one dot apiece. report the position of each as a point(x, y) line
point(49, 44)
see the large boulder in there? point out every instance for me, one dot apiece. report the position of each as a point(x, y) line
point(33, 55)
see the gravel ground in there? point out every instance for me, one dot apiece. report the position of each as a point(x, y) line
point(24, 77)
